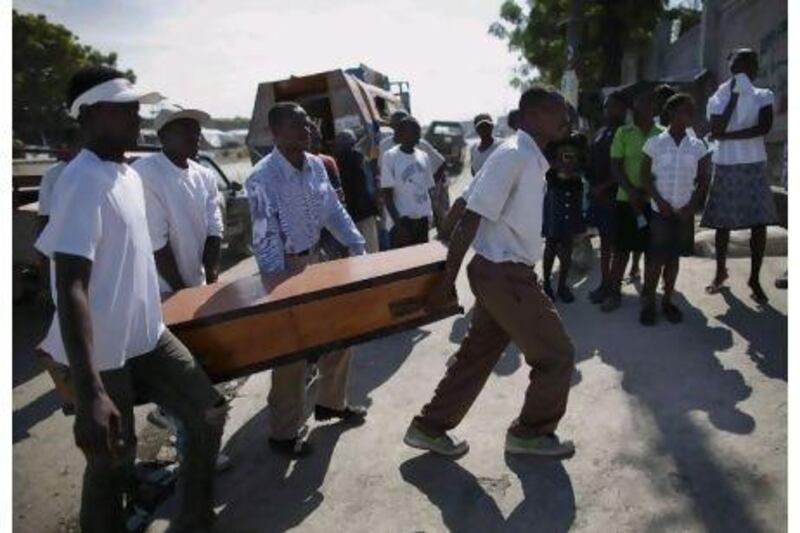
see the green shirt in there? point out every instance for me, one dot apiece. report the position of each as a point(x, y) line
point(627, 145)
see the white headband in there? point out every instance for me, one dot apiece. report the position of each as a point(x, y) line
point(118, 90)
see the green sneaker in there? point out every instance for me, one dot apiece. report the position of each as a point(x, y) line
point(443, 445)
point(543, 446)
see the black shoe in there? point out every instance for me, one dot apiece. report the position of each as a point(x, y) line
point(295, 448)
point(598, 295)
point(548, 290)
point(611, 302)
point(758, 293)
point(648, 316)
point(565, 295)
point(672, 313)
point(352, 414)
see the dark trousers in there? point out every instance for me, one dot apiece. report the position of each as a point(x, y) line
point(409, 231)
point(172, 378)
point(509, 305)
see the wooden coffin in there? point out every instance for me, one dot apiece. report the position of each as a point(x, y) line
point(257, 322)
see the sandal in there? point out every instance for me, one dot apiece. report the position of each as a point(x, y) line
point(717, 284)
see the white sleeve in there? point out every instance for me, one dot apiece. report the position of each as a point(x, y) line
point(46, 189)
point(387, 177)
point(215, 226)
point(436, 159)
point(428, 172)
point(649, 148)
point(767, 98)
point(718, 101)
point(76, 223)
point(499, 176)
point(157, 219)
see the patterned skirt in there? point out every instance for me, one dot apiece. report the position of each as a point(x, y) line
point(740, 198)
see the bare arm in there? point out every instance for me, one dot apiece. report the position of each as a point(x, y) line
point(457, 211)
point(212, 252)
point(463, 235)
point(97, 420)
point(388, 199)
point(168, 267)
point(703, 180)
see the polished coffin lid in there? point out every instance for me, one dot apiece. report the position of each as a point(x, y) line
point(256, 293)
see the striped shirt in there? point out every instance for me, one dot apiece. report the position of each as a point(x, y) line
point(290, 207)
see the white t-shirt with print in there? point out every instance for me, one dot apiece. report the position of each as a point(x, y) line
point(100, 215)
point(410, 178)
point(508, 193)
point(674, 166)
point(182, 209)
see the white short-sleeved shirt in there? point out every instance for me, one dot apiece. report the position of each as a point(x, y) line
point(751, 101)
point(410, 178)
point(182, 209)
point(478, 157)
point(46, 187)
point(674, 166)
point(100, 215)
point(508, 193)
point(434, 157)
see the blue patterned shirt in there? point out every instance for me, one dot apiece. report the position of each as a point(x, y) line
point(289, 208)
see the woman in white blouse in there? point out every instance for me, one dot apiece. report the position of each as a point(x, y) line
point(740, 116)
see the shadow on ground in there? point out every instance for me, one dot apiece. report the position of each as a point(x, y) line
point(376, 362)
point(276, 494)
point(675, 385)
point(765, 330)
point(467, 502)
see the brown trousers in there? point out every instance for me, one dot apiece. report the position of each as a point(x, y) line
point(296, 388)
point(509, 305)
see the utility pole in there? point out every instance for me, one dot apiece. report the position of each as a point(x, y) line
point(569, 81)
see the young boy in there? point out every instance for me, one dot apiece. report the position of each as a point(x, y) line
point(562, 217)
point(675, 175)
point(407, 182)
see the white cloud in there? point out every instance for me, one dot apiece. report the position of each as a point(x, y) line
point(213, 54)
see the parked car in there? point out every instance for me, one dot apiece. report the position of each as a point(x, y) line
point(235, 210)
point(448, 139)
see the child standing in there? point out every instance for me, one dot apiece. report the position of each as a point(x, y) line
point(562, 216)
point(407, 183)
point(675, 173)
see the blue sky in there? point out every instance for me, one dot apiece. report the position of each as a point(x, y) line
point(212, 54)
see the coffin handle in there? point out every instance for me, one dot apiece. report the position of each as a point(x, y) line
point(406, 306)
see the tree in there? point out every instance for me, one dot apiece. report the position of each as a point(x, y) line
point(44, 58)
point(608, 29)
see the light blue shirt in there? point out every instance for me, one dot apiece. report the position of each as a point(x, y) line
point(289, 208)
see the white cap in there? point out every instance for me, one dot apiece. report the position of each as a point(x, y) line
point(118, 90)
point(170, 112)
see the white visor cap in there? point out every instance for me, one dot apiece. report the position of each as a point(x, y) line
point(118, 90)
point(171, 112)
